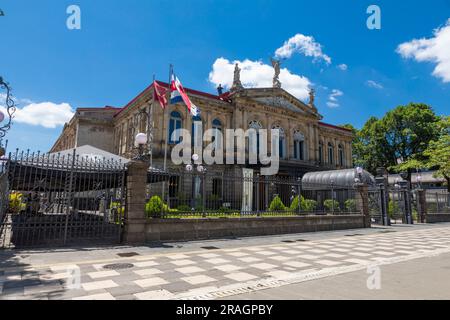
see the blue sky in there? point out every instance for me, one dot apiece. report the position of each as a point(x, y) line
point(121, 45)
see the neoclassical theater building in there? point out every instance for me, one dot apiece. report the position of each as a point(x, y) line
point(306, 143)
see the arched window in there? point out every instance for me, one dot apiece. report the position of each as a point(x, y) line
point(341, 155)
point(175, 123)
point(197, 132)
point(282, 144)
point(217, 130)
point(299, 145)
point(330, 153)
point(253, 139)
point(320, 152)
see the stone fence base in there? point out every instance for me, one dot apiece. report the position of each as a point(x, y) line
point(437, 217)
point(203, 229)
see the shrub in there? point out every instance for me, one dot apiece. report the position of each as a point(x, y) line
point(295, 204)
point(392, 208)
point(16, 203)
point(309, 205)
point(331, 205)
point(184, 208)
point(350, 205)
point(225, 210)
point(277, 205)
point(118, 207)
point(305, 204)
point(155, 206)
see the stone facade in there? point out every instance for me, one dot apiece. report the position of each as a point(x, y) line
point(323, 146)
point(89, 126)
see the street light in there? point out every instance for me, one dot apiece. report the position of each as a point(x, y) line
point(200, 168)
point(419, 181)
point(359, 172)
point(139, 142)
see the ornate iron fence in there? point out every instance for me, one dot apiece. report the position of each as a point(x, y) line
point(438, 202)
point(52, 200)
point(236, 194)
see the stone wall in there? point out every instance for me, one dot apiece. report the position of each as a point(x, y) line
point(203, 229)
point(437, 217)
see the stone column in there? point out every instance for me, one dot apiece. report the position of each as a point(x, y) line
point(135, 219)
point(421, 205)
point(362, 202)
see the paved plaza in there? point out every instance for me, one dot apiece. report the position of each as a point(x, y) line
point(252, 268)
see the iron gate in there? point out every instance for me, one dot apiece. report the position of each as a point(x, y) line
point(375, 206)
point(54, 200)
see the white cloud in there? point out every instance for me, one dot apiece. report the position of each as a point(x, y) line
point(333, 98)
point(256, 74)
point(435, 49)
point(45, 114)
point(302, 44)
point(374, 84)
point(342, 67)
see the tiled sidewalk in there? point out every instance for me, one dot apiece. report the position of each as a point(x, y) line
point(228, 271)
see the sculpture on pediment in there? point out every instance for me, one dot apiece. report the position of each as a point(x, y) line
point(276, 78)
point(237, 84)
point(312, 96)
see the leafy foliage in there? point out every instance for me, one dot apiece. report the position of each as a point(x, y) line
point(277, 205)
point(398, 140)
point(155, 207)
point(330, 205)
point(305, 204)
point(16, 203)
point(350, 205)
point(393, 208)
point(438, 151)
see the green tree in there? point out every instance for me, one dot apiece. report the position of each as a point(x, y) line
point(438, 151)
point(398, 140)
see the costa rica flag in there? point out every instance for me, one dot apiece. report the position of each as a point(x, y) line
point(178, 94)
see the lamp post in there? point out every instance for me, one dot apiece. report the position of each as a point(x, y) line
point(140, 141)
point(419, 181)
point(10, 110)
point(192, 168)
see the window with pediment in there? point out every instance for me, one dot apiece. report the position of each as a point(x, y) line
point(341, 155)
point(282, 141)
point(254, 138)
point(299, 145)
point(330, 153)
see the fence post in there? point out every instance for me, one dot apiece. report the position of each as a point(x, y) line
point(299, 188)
point(203, 182)
point(135, 219)
point(362, 202)
point(421, 205)
point(257, 195)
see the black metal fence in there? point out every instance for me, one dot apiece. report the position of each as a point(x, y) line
point(235, 194)
point(52, 199)
point(438, 202)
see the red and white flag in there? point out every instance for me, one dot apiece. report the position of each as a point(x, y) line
point(179, 92)
point(159, 94)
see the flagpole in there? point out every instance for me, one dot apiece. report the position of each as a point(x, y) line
point(169, 91)
point(151, 124)
point(167, 120)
